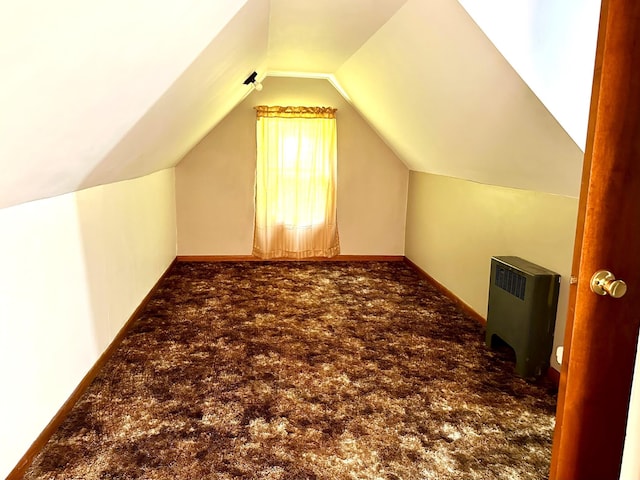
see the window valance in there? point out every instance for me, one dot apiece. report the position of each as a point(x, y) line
point(295, 112)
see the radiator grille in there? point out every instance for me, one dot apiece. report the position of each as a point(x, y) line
point(511, 281)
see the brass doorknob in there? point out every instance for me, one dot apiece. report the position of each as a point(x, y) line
point(604, 282)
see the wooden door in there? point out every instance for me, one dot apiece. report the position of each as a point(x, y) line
point(602, 331)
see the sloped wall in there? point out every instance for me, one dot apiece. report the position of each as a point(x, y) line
point(444, 99)
point(215, 181)
point(455, 226)
point(90, 89)
point(552, 46)
point(74, 268)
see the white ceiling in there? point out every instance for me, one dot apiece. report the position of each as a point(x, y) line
point(101, 91)
point(449, 103)
point(77, 75)
point(318, 36)
point(551, 45)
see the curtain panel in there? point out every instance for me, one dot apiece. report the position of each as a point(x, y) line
point(296, 173)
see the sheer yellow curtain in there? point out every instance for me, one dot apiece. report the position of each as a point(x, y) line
point(296, 183)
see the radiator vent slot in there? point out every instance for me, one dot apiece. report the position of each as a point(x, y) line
point(511, 282)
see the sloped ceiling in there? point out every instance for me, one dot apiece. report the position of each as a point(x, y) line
point(551, 45)
point(449, 103)
point(198, 99)
point(96, 92)
point(77, 76)
point(318, 36)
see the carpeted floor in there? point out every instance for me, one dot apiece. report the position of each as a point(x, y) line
point(303, 370)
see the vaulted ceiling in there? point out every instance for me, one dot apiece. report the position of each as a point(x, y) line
point(102, 91)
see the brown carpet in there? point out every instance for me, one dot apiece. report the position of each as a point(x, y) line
point(304, 370)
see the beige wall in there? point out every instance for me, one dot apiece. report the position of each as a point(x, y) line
point(74, 268)
point(215, 181)
point(455, 226)
point(630, 469)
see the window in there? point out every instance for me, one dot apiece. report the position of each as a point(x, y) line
point(296, 182)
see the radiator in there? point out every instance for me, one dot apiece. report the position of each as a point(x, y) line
point(523, 300)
